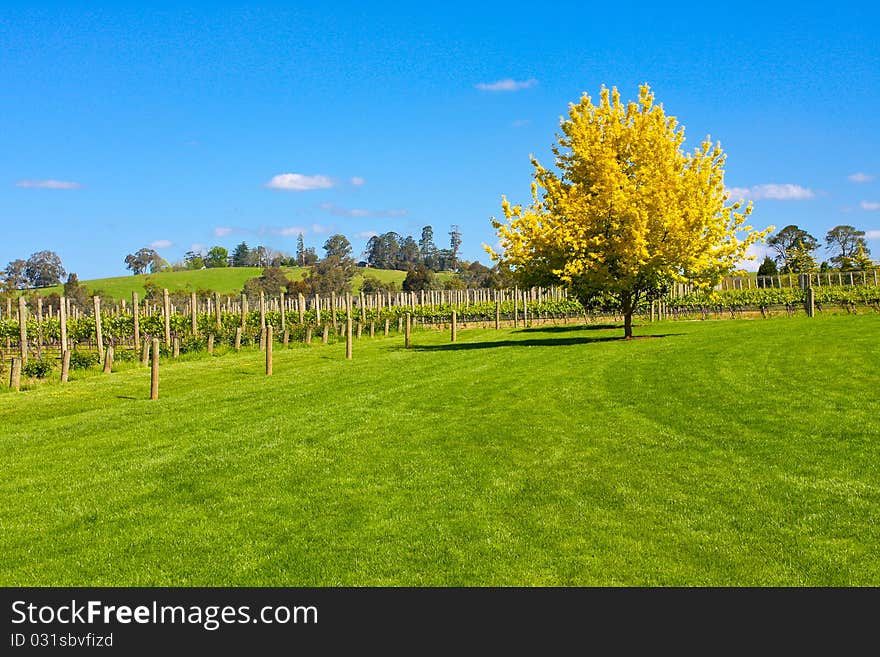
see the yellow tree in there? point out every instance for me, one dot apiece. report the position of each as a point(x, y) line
point(628, 212)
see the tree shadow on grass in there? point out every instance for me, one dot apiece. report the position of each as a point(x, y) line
point(531, 342)
point(567, 328)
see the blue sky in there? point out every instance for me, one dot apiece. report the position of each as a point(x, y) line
point(131, 125)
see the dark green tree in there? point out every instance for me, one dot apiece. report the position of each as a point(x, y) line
point(793, 247)
point(337, 251)
point(419, 278)
point(845, 243)
point(408, 256)
point(76, 291)
point(271, 282)
point(329, 275)
point(454, 244)
point(217, 256)
point(427, 248)
point(193, 260)
point(14, 276)
point(241, 255)
point(766, 268)
point(144, 260)
point(44, 268)
point(383, 251)
point(300, 251)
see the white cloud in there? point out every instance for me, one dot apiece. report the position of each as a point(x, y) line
point(297, 182)
point(290, 231)
point(773, 191)
point(869, 205)
point(161, 244)
point(357, 181)
point(320, 228)
point(360, 212)
point(48, 184)
point(507, 84)
point(222, 231)
point(520, 123)
point(759, 252)
point(738, 192)
point(872, 234)
point(197, 248)
point(366, 234)
point(860, 177)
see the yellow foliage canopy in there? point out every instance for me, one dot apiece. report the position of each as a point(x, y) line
point(629, 211)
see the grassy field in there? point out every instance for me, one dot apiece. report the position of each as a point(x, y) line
point(733, 452)
point(225, 280)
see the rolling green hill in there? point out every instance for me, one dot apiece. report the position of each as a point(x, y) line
point(225, 280)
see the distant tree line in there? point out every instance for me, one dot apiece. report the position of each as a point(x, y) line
point(795, 252)
point(334, 272)
point(393, 251)
point(42, 269)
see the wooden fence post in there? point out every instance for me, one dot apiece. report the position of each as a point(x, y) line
point(515, 307)
point(268, 331)
point(237, 338)
point(135, 314)
point(325, 333)
point(22, 330)
point(154, 371)
point(15, 374)
point(300, 306)
point(210, 343)
point(217, 311)
point(372, 328)
point(145, 353)
point(176, 351)
point(283, 312)
point(40, 328)
point(308, 338)
point(408, 336)
point(387, 322)
point(62, 318)
point(262, 338)
point(285, 340)
point(8, 316)
point(317, 308)
point(98, 330)
point(811, 302)
point(166, 314)
point(193, 309)
point(454, 326)
point(262, 310)
point(65, 365)
point(108, 360)
point(348, 341)
point(244, 309)
point(497, 313)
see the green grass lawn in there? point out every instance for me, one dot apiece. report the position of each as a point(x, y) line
point(737, 452)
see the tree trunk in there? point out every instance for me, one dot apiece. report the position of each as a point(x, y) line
point(627, 306)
